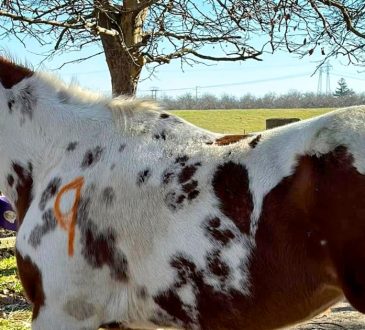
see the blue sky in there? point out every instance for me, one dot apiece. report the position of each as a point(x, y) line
point(277, 73)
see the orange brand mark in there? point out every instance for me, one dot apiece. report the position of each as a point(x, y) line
point(68, 221)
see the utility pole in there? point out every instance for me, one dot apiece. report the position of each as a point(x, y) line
point(319, 86)
point(196, 93)
point(328, 68)
point(154, 91)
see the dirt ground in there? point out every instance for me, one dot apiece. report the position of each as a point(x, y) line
point(340, 316)
point(12, 302)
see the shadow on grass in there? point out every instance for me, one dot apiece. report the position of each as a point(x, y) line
point(8, 271)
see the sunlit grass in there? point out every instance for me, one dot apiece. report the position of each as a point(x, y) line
point(13, 315)
point(242, 121)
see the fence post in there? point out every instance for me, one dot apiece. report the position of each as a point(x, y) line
point(275, 122)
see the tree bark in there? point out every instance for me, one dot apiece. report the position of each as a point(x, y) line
point(124, 62)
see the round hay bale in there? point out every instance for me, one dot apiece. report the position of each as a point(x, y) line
point(276, 122)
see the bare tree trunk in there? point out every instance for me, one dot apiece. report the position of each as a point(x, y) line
point(124, 62)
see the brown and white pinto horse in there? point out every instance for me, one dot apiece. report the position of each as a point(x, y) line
point(132, 216)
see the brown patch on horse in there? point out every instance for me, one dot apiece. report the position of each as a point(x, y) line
point(231, 186)
point(213, 229)
point(187, 173)
point(11, 73)
point(49, 192)
point(291, 273)
point(31, 279)
point(230, 139)
point(100, 248)
point(341, 214)
point(255, 141)
point(24, 190)
point(217, 266)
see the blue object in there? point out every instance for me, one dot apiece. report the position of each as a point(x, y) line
point(7, 215)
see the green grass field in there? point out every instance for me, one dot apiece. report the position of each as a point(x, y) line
point(242, 121)
point(15, 315)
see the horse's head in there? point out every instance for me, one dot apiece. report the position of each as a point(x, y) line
point(341, 215)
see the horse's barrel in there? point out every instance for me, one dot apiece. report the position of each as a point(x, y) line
point(275, 122)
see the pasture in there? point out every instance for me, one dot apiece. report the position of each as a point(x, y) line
point(14, 311)
point(242, 121)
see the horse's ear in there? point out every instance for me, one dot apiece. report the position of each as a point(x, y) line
point(11, 73)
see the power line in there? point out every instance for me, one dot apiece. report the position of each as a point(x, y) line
point(256, 81)
point(338, 74)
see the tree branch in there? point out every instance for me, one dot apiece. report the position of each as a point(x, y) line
point(345, 15)
point(76, 26)
point(186, 51)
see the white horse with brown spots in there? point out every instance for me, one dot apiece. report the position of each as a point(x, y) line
point(131, 216)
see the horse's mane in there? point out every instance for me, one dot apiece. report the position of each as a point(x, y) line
point(128, 113)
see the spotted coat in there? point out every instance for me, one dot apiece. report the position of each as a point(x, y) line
point(133, 217)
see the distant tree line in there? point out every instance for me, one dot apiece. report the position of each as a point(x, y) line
point(292, 99)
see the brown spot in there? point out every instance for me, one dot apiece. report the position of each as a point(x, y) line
point(180, 199)
point(164, 115)
point(24, 190)
point(31, 279)
point(169, 300)
point(27, 101)
point(231, 186)
point(113, 325)
point(99, 249)
point(49, 224)
point(10, 180)
point(170, 201)
point(255, 141)
point(71, 146)
point(193, 194)
point(187, 173)
point(10, 104)
point(229, 139)
point(142, 293)
point(64, 96)
point(108, 196)
point(49, 192)
point(171, 303)
point(216, 233)
point(217, 266)
point(161, 135)
point(190, 186)
point(91, 157)
point(209, 301)
point(181, 160)
point(122, 147)
point(167, 177)
point(143, 177)
point(11, 74)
